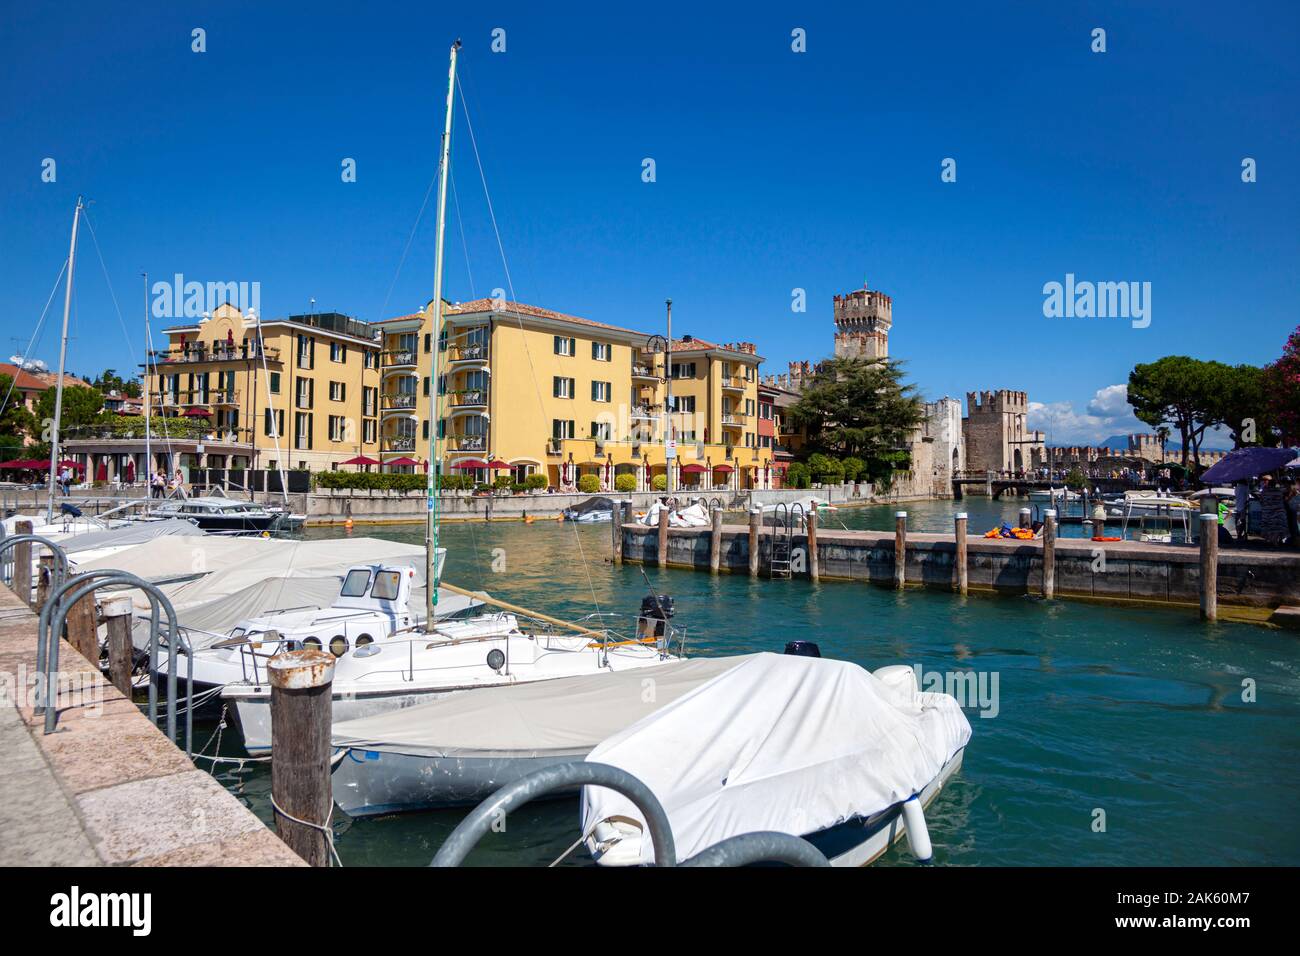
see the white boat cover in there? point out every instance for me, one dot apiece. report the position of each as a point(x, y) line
point(559, 717)
point(138, 532)
point(785, 743)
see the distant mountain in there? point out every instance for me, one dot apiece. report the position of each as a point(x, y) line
point(1212, 442)
point(1116, 443)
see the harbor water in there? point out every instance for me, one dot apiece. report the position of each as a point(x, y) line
point(1102, 735)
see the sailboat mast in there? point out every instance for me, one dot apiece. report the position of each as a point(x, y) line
point(435, 459)
point(63, 355)
point(148, 344)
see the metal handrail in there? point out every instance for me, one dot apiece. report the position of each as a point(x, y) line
point(541, 782)
point(60, 556)
point(52, 622)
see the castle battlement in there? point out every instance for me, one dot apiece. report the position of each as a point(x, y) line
point(862, 322)
point(1000, 402)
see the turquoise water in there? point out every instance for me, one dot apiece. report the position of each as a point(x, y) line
point(1134, 712)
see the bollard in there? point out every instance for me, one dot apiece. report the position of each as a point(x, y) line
point(900, 548)
point(44, 575)
point(1210, 567)
point(963, 581)
point(755, 518)
point(1099, 521)
point(23, 564)
point(616, 533)
point(715, 542)
point(814, 570)
point(663, 537)
point(1049, 553)
point(117, 614)
point(82, 629)
point(301, 686)
point(1087, 529)
point(1026, 518)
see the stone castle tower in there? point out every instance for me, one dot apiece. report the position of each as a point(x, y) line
point(862, 322)
point(996, 432)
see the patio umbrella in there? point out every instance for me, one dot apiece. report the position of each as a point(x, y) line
point(693, 469)
point(101, 473)
point(470, 463)
point(359, 460)
point(725, 469)
point(1244, 463)
point(130, 471)
point(197, 413)
point(496, 464)
point(402, 461)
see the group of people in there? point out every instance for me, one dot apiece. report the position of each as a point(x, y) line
point(1278, 521)
point(160, 486)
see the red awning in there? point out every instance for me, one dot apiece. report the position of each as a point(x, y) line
point(694, 469)
point(359, 460)
point(725, 469)
point(469, 463)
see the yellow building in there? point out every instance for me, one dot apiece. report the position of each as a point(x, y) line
point(528, 391)
point(300, 392)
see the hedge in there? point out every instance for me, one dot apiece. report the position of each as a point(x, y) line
point(625, 483)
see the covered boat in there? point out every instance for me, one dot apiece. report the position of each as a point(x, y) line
point(591, 510)
point(816, 748)
point(459, 749)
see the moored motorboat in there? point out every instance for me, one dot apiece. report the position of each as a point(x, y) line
point(590, 511)
point(815, 748)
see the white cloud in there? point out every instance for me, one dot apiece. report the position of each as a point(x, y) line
point(1107, 413)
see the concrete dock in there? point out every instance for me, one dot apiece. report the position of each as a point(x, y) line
point(1251, 584)
point(107, 788)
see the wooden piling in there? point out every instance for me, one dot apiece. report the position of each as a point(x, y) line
point(117, 615)
point(23, 564)
point(1049, 553)
point(900, 548)
point(1026, 518)
point(814, 570)
point(44, 578)
point(963, 579)
point(715, 542)
point(81, 628)
point(755, 521)
point(301, 687)
point(1210, 567)
point(616, 533)
point(663, 537)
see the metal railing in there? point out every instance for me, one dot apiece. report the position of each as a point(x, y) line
point(400, 400)
point(397, 358)
point(217, 354)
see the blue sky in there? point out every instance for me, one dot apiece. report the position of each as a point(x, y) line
point(775, 171)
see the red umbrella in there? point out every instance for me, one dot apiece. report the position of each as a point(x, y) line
point(197, 413)
point(496, 464)
point(693, 469)
point(360, 460)
point(130, 471)
point(101, 473)
point(725, 469)
point(402, 461)
point(470, 463)
point(74, 465)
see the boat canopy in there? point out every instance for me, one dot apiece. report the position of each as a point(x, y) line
point(566, 716)
point(592, 504)
point(135, 533)
point(780, 742)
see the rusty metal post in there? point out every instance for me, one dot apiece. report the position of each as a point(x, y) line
point(301, 686)
point(963, 579)
point(715, 542)
point(900, 548)
point(814, 567)
point(663, 537)
point(1210, 567)
point(117, 614)
point(23, 564)
point(755, 518)
point(1049, 553)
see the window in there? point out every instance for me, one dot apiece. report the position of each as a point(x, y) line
point(306, 392)
point(386, 584)
point(601, 391)
point(565, 345)
point(562, 387)
point(765, 411)
point(428, 342)
point(424, 430)
point(749, 406)
point(302, 430)
point(306, 351)
point(369, 397)
point(371, 358)
point(338, 352)
point(601, 351)
point(600, 431)
point(338, 428)
point(355, 584)
point(337, 391)
point(273, 427)
point(426, 386)
point(275, 383)
point(683, 370)
point(683, 403)
point(560, 428)
point(368, 431)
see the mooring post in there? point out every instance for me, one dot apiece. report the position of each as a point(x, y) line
point(82, 628)
point(814, 568)
point(1026, 518)
point(715, 542)
point(301, 686)
point(44, 577)
point(900, 548)
point(1049, 553)
point(117, 614)
point(663, 537)
point(1099, 521)
point(962, 579)
point(755, 518)
point(616, 533)
point(1210, 567)
point(23, 564)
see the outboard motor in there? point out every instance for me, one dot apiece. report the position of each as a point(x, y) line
point(71, 511)
point(803, 649)
point(652, 621)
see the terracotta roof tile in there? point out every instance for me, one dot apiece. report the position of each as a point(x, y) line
point(37, 381)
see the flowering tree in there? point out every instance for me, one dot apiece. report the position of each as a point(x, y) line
point(1282, 380)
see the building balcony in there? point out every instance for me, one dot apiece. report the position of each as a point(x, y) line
point(397, 444)
point(470, 398)
point(459, 354)
point(645, 373)
point(398, 358)
point(734, 383)
point(399, 402)
point(645, 412)
point(224, 396)
point(467, 442)
point(734, 419)
point(196, 353)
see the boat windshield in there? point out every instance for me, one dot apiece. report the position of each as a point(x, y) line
point(355, 584)
point(386, 583)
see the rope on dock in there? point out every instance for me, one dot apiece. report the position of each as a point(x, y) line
point(323, 828)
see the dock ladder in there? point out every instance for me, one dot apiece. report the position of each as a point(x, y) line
point(784, 521)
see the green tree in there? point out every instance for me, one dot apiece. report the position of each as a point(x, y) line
point(17, 424)
point(860, 408)
point(1179, 391)
point(109, 381)
point(82, 406)
point(854, 468)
